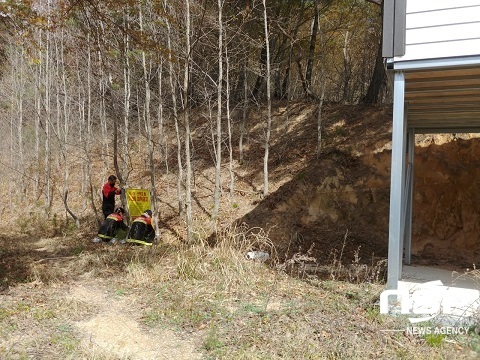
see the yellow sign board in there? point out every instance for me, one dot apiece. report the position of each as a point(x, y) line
point(138, 200)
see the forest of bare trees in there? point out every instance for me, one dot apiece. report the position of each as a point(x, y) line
point(80, 79)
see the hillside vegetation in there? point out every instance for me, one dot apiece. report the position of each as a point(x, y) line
point(325, 225)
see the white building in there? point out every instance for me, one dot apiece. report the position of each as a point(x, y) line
point(432, 47)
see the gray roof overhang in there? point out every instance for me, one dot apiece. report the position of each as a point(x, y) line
point(442, 95)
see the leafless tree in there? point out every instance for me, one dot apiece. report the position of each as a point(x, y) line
point(218, 148)
point(320, 98)
point(269, 102)
point(229, 125)
point(173, 90)
point(148, 120)
point(186, 114)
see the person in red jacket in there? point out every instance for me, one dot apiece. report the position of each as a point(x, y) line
point(109, 191)
point(111, 225)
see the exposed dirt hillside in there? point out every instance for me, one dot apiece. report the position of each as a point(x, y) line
point(338, 205)
point(339, 201)
point(446, 225)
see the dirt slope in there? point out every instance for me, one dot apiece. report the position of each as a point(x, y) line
point(338, 205)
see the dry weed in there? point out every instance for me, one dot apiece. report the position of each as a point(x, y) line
point(233, 307)
point(305, 266)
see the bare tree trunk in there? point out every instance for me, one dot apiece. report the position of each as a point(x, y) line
point(175, 117)
point(148, 121)
point(20, 89)
point(229, 123)
point(286, 81)
point(311, 50)
point(218, 160)
point(346, 70)
point(210, 118)
point(57, 91)
point(82, 132)
point(163, 143)
point(65, 203)
point(102, 111)
point(186, 81)
point(378, 82)
point(322, 97)
point(38, 109)
point(379, 76)
point(13, 117)
point(140, 113)
point(126, 102)
point(92, 203)
point(89, 138)
point(286, 95)
point(260, 78)
point(47, 164)
point(66, 130)
point(269, 103)
point(115, 139)
point(244, 110)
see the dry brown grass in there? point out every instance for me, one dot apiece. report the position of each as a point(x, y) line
point(228, 306)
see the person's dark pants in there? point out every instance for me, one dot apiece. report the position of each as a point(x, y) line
point(150, 236)
point(107, 212)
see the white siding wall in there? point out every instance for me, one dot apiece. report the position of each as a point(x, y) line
point(441, 28)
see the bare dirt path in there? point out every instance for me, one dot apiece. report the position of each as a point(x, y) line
point(115, 329)
point(104, 324)
point(85, 314)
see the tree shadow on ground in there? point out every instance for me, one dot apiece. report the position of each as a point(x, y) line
point(17, 255)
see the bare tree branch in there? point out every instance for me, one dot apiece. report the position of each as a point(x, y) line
point(74, 217)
